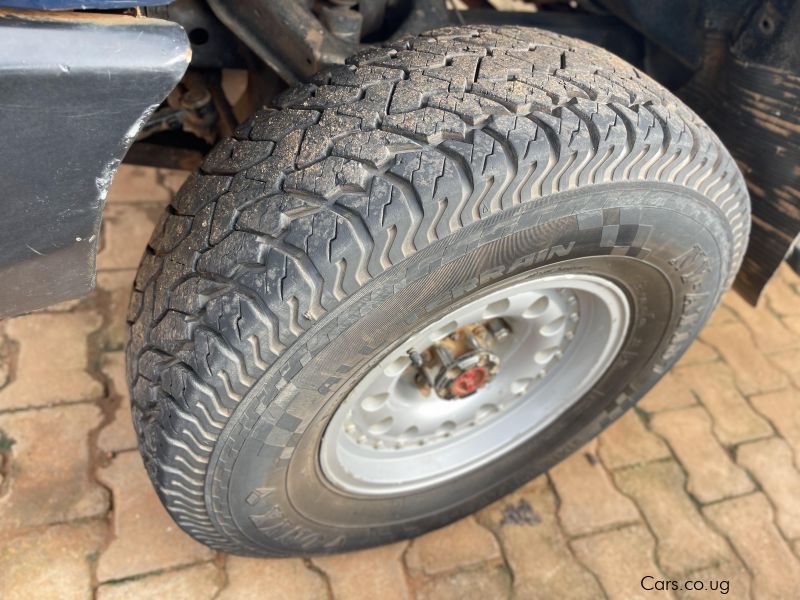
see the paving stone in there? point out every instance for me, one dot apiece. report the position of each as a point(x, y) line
point(286, 578)
point(748, 523)
point(140, 521)
point(712, 474)
point(462, 544)
point(50, 479)
point(172, 179)
point(5, 358)
point(782, 296)
point(685, 542)
point(118, 435)
point(65, 306)
point(472, 584)
point(134, 183)
point(771, 462)
point(783, 410)
point(751, 369)
point(621, 558)
point(734, 421)
point(732, 573)
point(668, 394)
point(52, 362)
point(536, 548)
point(50, 563)
point(699, 352)
point(789, 363)
point(793, 323)
point(589, 500)
point(723, 314)
point(117, 286)
point(768, 331)
point(627, 442)
point(193, 583)
point(126, 230)
point(367, 574)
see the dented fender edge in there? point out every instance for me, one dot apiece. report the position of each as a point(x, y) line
point(75, 89)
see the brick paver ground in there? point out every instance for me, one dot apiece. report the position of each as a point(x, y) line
point(700, 483)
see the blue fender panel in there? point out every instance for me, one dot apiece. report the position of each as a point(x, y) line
point(75, 89)
point(79, 4)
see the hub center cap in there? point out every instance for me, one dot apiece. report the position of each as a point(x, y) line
point(469, 382)
point(460, 364)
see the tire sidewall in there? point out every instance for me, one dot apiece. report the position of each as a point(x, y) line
point(668, 247)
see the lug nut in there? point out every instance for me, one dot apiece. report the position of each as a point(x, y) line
point(415, 358)
point(498, 328)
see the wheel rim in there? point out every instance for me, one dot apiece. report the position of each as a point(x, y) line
point(389, 437)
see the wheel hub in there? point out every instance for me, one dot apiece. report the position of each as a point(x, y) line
point(473, 384)
point(460, 364)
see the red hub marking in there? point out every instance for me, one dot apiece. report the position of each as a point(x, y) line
point(469, 381)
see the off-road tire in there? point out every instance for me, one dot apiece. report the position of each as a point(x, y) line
point(370, 200)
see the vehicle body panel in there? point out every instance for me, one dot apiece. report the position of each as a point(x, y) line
point(79, 4)
point(69, 109)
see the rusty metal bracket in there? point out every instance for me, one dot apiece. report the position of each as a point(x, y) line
point(285, 34)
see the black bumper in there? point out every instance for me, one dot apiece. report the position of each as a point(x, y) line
point(74, 91)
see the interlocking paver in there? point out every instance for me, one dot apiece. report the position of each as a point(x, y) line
point(535, 546)
point(126, 230)
point(752, 370)
point(589, 500)
point(668, 394)
point(5, 357)
point(52, 563)
point(256, 578)
point(783, 410)
point(52, 362)
point(116, 286)
point(367, 574)
point(722, 314)
point(172, 179)
point(699, 352)
point(789, 362)
point(748, 523)
point(118, 435)
point(50, 479)
point(627, 442)
point(793, 323)
point(768, 331)
point(620, 559)
point(192, 583)
point(462, 544)
point(731, 574)
point(470, 584)
point(712, 474)
point(133, 183)
point(783, 294)
point(140, 521)
point(685, 542)
point(734, 420)
point(772, 464)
